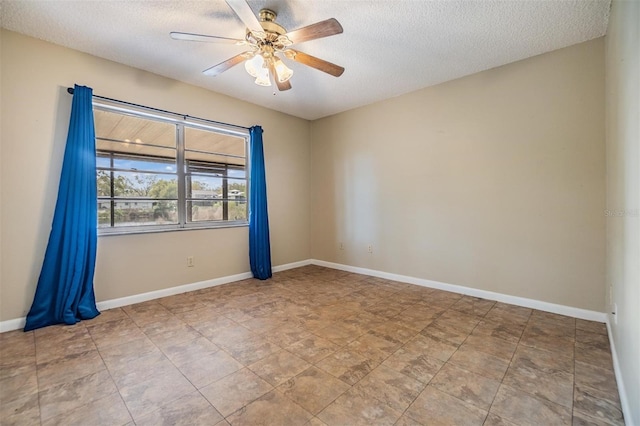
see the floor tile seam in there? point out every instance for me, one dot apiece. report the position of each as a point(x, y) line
point(296, 403)
point(83, 406)
point(511, 362)
point(617, 403)
point(245, 405)
point(602, 419)
point(115, 384)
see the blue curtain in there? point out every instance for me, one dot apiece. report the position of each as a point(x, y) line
point(259, 246)
point(64, 294)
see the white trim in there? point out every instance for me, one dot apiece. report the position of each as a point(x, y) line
point(293, 265)
point(624, 400)
point(144, 297)
point(12, 324)
point(18, 323)
point(506, 298)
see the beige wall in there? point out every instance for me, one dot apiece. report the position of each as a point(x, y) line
point(35, 112)
point(623, 194)
point(493, 181)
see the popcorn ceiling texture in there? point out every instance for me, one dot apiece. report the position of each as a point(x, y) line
point(388, 47)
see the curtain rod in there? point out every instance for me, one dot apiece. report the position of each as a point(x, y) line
point(70, 91)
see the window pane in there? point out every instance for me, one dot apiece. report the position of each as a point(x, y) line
point(205, 187)
point(129, 132)
point(204, 210)
point(147, 185)
point(103, 161)
point(145, 212)
point(103, 179)
point(104, 213)
point(237, 173)
point(144, 164)
point(214, 147)
point(237, 189)
point(238, 210)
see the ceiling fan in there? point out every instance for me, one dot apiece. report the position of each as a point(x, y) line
point(268, 44)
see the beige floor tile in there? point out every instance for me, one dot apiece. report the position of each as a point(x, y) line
point(467, 386)
point(593, 355)
point(443, 330)
point(347, 348)
point(346, 365)
point(524, 409)
point(602, 379)
point(188, 410)
point(68, 369)
point(543, 360)
point(21, 411)
point(235, 391)
point(147, 396)
point(473, 306)
point(313, 348)
point(65, 397)
point(495, 420)
point(109, 410)
point(273, 406)
point(188, 351)
point(353, 409)
point(591, 326)
point(555, 386)
point(209, 368)
point(502, 329)
point(18, 386)
point(431, 346)
point(414, 363)
point(491, 345)
point(390, 387)
point(480, 362)
point(115, 332)
point(313, 389)
point(436, 407)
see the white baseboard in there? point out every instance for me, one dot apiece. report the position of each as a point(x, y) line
point(505, 298)
point(19, 323)
point(12, 324)
point(624, 400)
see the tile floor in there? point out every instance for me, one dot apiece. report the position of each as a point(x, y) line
point(312, 346)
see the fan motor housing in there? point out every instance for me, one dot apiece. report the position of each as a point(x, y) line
point(267, 21)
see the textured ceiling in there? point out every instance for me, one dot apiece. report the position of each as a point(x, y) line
point(388, 47)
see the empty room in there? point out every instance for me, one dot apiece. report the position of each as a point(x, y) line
point(305, 212)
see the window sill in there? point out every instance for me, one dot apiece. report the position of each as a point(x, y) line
point(107, 232)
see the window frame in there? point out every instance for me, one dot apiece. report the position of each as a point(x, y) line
point(181, 122)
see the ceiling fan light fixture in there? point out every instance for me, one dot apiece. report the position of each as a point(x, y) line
point(255, 65)
point(263, 78)
point(283, 72)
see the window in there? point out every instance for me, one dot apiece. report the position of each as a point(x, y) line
point(159, 173)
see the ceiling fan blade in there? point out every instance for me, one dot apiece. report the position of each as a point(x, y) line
point(246, 15)
point(204, 38)
point(223, 66)
point(282, 85)
point(313, 62)
point(318, 30)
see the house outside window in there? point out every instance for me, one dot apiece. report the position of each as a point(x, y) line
point(160, 173)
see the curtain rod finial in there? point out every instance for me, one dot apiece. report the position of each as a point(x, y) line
point(70, 90)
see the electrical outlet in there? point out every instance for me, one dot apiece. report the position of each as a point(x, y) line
point(190, 262)
point(370, 248)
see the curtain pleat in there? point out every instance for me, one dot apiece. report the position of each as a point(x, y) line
point(64, 294)
point(259, 245)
